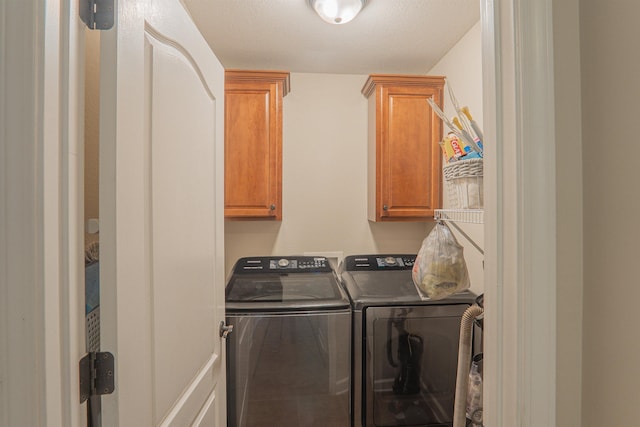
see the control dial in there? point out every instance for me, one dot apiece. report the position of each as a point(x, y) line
point(283, 262)
point(390, 260)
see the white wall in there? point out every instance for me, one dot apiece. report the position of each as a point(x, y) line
point(324, 180)
point(610, 94)
point(462, 66)
point(22, 349)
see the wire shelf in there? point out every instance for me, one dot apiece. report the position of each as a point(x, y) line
point(470, 216)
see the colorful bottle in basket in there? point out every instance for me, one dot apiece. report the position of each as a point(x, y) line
point(450, 154)
point(454, 149)
point(456, 145)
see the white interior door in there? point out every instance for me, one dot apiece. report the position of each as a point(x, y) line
point(161, 213)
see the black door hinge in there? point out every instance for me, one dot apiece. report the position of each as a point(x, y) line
point(96, 375)
point(97, 14)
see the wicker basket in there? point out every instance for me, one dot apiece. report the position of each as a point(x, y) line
point(463, 184)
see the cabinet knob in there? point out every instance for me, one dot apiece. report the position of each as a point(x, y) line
point(272, 207)
point(385, 207)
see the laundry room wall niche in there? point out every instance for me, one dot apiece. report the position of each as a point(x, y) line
point(325, 170)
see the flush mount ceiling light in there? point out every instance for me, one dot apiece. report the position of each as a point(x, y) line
point(337, 11)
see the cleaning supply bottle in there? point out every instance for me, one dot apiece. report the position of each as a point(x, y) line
point(474, 395)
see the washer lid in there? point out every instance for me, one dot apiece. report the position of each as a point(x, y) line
point(298, 285)
point(379, 279)
point(376, 287)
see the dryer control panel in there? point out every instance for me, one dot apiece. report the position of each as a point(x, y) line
point(379, 262)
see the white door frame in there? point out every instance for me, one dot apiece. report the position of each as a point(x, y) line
point(40, 241)
point(520, 218)
point(41, 233)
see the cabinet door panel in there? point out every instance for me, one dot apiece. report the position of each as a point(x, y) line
point(253, 143)
point(248, 151)
point(410, 145)
point(407, 156)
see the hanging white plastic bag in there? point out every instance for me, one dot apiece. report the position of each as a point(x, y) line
point(440, 269)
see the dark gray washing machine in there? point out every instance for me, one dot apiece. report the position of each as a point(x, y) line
point(405, 350)
point(289, 356)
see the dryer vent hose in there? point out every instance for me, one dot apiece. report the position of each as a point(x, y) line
point(464, 362)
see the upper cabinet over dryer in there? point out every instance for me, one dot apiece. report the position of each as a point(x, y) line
point(253, 143)
point(404, 158)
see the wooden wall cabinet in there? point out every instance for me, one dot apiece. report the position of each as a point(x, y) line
point(253, 143)
point(405, 160)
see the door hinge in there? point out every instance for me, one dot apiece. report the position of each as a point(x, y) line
point(96, 375)
point(97, 14)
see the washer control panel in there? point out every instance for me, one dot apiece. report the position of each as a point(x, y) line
point(379, 262)
point(302, 263)
point(290, 264)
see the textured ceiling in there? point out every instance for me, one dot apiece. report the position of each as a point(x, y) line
point(388, 36)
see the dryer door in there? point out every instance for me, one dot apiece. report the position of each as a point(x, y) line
point(411, 361)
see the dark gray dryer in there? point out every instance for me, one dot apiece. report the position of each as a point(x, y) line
point(405, 350)
point(288, 358)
